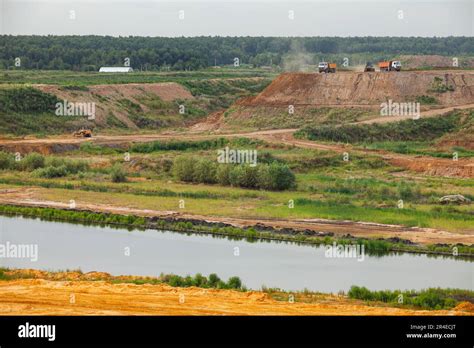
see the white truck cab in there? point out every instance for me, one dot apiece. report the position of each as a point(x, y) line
point(323, 65)
point(396, 65)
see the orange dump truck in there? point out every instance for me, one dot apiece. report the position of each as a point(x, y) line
point(327, 67)
point(391, 65)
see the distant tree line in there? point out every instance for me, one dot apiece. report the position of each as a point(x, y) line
point(89, 53)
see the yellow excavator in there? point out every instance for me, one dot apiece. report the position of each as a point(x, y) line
point(83, 133)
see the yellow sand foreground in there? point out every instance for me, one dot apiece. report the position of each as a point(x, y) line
point(99, 297)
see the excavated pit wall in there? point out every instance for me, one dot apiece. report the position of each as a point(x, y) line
point(347, 88)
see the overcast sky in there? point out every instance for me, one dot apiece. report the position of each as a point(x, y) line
point(238, 17)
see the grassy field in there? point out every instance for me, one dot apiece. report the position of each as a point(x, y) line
point(362, 189)
point(73, 78)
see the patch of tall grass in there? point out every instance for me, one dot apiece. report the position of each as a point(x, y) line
point(178, 145)
point(422, 129)
point(432, 298)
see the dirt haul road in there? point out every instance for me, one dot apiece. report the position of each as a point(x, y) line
point(58, 144)
point(29, 197)
point(423, 164)
point(101, 297)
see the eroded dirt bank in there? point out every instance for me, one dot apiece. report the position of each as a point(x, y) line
point(84, 295)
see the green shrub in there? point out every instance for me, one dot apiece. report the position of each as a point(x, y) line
point(213, 279)
point(117, 174)
point(183, 168)
point(426, 99)
point(32, 161)
point(265, 180)
point(53, 167)
point(251, 233)
point(408, 192)
point(205, 171)
point(244, 176)
point(274, 176)
point(201, 281)
point(7, 160)
point(234, 283)
point(51, 172)
point(223, 174)
point(72, 166)
point(432, 298)
point(282, 177)
point(235, 174)
point(175, 281)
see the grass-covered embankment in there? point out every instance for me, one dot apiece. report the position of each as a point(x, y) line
point(27, 110)
point(371, 246)
point(423, 129)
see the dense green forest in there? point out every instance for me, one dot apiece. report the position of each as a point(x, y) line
point(88, 53)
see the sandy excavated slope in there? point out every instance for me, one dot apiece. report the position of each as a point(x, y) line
point(107, 97)
point(344, 88)
point(83, 294)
